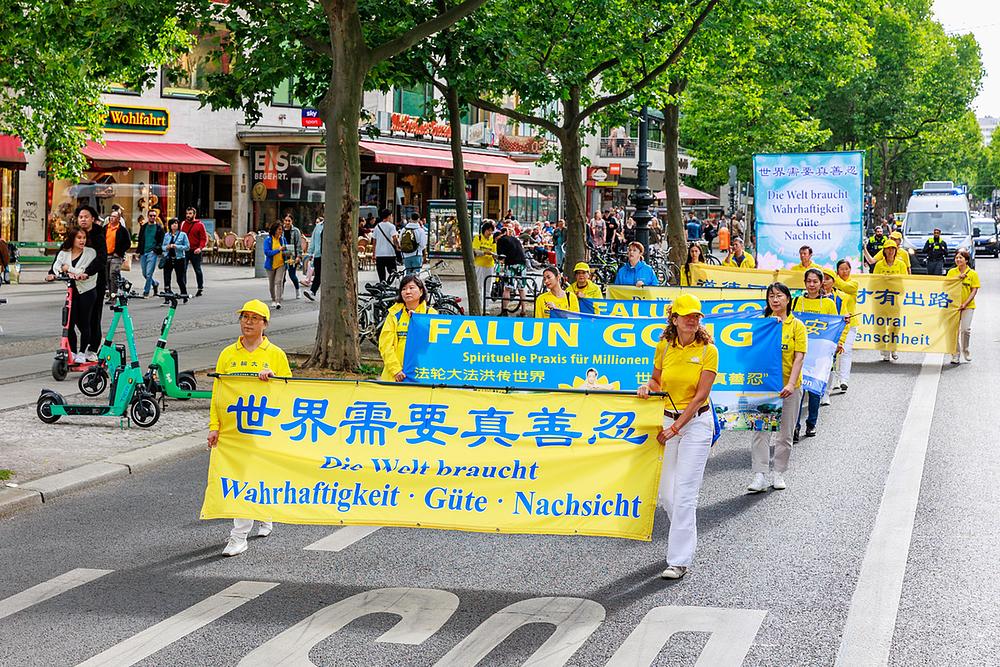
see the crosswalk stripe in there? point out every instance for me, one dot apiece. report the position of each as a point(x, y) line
point(149, 641)
point(49, 589)
point(342, 538)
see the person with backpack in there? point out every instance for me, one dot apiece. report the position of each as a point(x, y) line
point(412, 243)
point(685, 364)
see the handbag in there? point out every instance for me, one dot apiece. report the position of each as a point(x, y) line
point(162, 261)
point(127, 262)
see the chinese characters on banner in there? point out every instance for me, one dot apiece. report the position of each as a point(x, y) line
point(318, 452)
point(813, 199)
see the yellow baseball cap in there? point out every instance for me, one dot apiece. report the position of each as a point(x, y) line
point(256, 306)
point(889, 244)
point(581, 266)
point(686, 304)
point(896, 235)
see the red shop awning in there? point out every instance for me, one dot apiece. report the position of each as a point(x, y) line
point(152, 156)
point(12, 153)
point(421, 156)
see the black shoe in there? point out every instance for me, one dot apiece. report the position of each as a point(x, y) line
point(309, 295)
point(198, 293)
point(810, 431)
point(156, 290)
point(795, 436)
point(843, 386)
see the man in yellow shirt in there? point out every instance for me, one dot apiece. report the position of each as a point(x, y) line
point(737, 256)
point(805, 259)
point(584, 287)
point(484, 248)
point(251, 353)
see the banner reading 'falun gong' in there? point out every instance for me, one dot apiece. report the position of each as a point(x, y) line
point(895, 313)
point(320, 452)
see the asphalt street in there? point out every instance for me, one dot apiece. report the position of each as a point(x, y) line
point(125, 573)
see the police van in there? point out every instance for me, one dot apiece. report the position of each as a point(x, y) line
point(938, 205)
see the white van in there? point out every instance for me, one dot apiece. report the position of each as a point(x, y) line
point(937, 205)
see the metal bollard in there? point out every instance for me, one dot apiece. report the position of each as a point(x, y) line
point(258, 256)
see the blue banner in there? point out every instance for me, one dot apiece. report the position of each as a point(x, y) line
point(824, 336)
point(658, 308)
point(594, 353)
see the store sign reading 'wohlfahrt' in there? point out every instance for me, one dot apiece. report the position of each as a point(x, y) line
point(139, 120)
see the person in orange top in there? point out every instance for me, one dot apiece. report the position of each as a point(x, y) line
point(117, 241)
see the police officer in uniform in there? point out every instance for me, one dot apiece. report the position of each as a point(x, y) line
point(936, 250)
point(874, 246)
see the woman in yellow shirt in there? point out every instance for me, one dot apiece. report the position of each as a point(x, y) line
point(970, 287)
point(694, 257)
point(554, 296)
point(812, 301)
point(889, 265)
point(392, 341)
point(684, 367)
point(584, 287)
point(770, 460)
point(848, 289)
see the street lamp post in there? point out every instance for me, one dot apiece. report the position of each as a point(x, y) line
point(642, 196)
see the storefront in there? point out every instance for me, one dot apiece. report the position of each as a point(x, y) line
point(12, 161)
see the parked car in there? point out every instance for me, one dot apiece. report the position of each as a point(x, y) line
point(986, 242)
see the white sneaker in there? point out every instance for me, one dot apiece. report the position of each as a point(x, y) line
point(674, 572)
point(235, 546)
point(296, 292)
point(264, 529)
point(967, 355)
point(956, 359)
point(895, 357)
point(778, 481)
point(79, 358)
point(758, 484)
point(91, 356)
point(825, 399)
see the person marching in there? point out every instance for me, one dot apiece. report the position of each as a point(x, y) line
point(737, 257)
point(412, 298)
point(769, 460)
point(812, 301)
point(936, 250)
point(842, 302)
point(970, 287)
point(848, 289)
point(890, 265)
point(252, 352)
point(693, 257)
point(554, 296)
point(584, 287)
point(901, 255)
point(684, 368)
point(805, 260)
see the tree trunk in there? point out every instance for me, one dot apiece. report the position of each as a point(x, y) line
point(676, 235)
point(465, 231)
point(570, 160)
point(337, 346)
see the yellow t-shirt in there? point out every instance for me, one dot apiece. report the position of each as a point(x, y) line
point(483, 244)
point(822, 305)
point(897, 268)
point(392, 340)
point(236, 359)
point(793, 339)
point(277, 260)
point(849, 292)
point(800, 267)
point(591, 291)
point(748, 262)
point(970, 282)
point(680, 370)
point(565, 302)
point(901, 255)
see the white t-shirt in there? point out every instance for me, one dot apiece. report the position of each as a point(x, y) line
point(383, 233)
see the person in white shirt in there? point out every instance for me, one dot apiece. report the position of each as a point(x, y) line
point(386, 245)
point(413, 243)
point(79, 262)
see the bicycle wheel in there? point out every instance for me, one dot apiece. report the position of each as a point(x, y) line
point(712, 259)
point(366, 323)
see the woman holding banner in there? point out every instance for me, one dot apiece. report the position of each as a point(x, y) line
point(412, 298)
point(767, 460)
point(554, 296)
point(970, 287)
point(812, 301)
point(694, 257)
point(848, 288)
point(890, 265)
point(684, 368)
point(843, 302)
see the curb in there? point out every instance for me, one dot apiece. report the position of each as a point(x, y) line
point(45, 489)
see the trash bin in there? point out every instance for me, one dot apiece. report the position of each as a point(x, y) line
point(258, 256)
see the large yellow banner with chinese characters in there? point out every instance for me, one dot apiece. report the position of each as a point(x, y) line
point(895, 313)
point(342, 453)
point(671, 292)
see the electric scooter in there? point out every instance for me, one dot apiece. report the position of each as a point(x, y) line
point(111, 357)
point(163, 377)
point(128, 397)
point(63, 362)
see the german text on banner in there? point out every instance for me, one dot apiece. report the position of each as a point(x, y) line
point(317, 452)
point(591, 352)
point(894, 313)
point(813, 199)
point(659, 308)
point(669, 293)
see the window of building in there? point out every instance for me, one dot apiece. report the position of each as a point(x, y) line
point(414, 101)
point(284, 95)
point(120, 89)
point(532, 202)
point(188, 76)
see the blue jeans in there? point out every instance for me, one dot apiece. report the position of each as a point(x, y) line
point(148, 261)
point(812, 409)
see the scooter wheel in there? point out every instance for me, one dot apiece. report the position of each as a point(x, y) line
point(93, 382)
point(60, 368)
point(144, 411)
point(44, 407)
point(187, 382)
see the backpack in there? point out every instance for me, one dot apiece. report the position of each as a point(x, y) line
point(408, 240)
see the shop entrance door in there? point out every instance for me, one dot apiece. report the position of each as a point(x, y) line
point(193, 190)
point(494, 201)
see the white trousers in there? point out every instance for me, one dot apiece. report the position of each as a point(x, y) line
point(845, 358)
point(242, 527)
point(684, 459)
point(965, 330)
point(765, 457)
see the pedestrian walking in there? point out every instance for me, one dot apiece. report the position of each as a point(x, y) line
point(694, 256)
point(685, 364)
point(413, 243)
point(812, 301)
point(316, 252)
point(559, 242)
point(848, 287)
point(635, 271)
point(598, 231)
point(386, 246)
point(970, 288)
point(411, 298)
point(149, 251)
point(198, 238)
point(769, 453)
point(515, 265)
point(117, 242)
point(252, 352)
point(78, 261)
point(936, 249)
point(693, 228)
point(175, 250)
point(86, 219)
point(291, 244)
point(554, 295)
point(274, 263)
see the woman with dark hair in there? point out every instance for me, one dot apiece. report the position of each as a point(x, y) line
point(175, 247)
point(554, 296)
point(79, 262)
point(274, 263)
point(970, 287)
point(684, 368)
point(812, 301)
point(412, 298)
point(693, 257)
point(770, 459)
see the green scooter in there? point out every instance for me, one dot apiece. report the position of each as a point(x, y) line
point(111, 357)
point(163, 377)
point(128, 397)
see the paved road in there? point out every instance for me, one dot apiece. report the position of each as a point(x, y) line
point(882, 550)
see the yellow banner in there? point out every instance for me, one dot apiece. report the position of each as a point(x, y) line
point(668, 292)
point(895, 313)
point(318, 452)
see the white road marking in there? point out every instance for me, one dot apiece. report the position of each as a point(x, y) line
point(733, 632)
point(871, 620)
point(422, 612)
point(149, 641)
point(49, 589)
point(575, 620)
point(342, 538)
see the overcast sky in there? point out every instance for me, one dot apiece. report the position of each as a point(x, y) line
point(981, 18)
